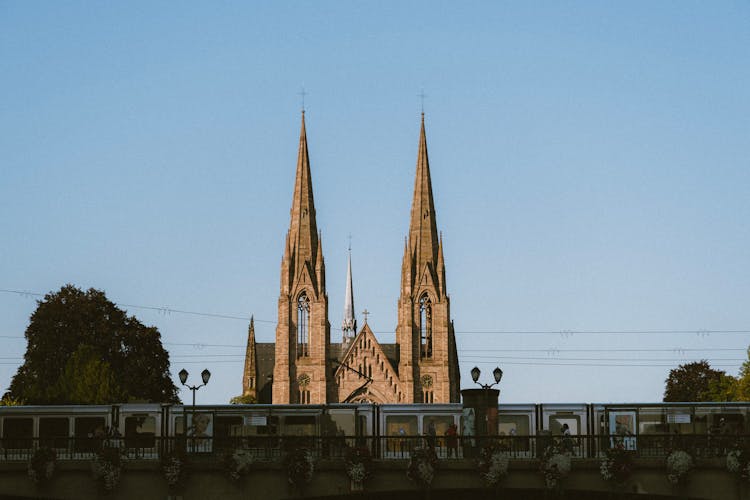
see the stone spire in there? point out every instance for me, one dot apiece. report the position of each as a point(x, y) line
point(349, 326)
point(303, 245)
point(301, 362)
point(423, 236)
point(250, 375)
point(428, 364)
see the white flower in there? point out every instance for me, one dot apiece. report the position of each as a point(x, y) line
point(562, 462)
point(498, 468)
point(733, 461)
point(606, 469)
point(356, 472)
point(679, 464)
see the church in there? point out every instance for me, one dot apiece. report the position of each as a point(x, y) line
point(303, 366)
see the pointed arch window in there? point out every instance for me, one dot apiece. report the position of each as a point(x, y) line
point(425, 325)
point(303, 325)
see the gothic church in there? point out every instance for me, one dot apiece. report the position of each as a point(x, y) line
point(303, 366)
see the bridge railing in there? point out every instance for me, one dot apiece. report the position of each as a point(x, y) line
point(273, 448)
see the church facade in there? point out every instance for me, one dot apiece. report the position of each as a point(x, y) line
point(303, 366)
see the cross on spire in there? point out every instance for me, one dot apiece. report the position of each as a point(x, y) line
point(303, 94)
point(365, 313)
point(421, 96)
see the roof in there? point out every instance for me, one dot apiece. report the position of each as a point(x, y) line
point(266, 357)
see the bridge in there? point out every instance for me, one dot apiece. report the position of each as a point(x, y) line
point(456, 476)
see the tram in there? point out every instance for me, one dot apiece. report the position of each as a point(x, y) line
point(76, 430)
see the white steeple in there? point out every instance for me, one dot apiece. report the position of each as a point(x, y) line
point(349, 326)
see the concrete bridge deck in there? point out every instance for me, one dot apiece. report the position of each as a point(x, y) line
point(455, 480)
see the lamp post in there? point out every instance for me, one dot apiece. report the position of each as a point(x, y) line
point(497, 373)
point(482, 403)
point(205, 376)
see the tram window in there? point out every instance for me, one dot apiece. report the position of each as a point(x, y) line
point(700, 424)
point(651, 421)
point(227, 426)
point(394, 424)
point(299, 425)
point(343, 422)
point(513, 425)
point(140, 432)
point(441, 424)
point(679, 421)
point(401, 426)
point(727, 423)
point(89, 432)
point(179, 426)
point(53, 432)
point(557, 421)
point(17, 432)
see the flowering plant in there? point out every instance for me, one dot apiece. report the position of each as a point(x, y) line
point(679, 464)
point(238, 463)
point(42, 465)
point(174, 466)
point(493, 464)
point(300, 467)
point(617, 466)
point(555, 466)
point(738, 462)
point(358, 463)
point(422, 465)
point(106, 468)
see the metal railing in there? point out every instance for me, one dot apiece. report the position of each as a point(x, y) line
point(274, 447)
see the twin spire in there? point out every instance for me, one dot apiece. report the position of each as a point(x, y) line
point(423, 246)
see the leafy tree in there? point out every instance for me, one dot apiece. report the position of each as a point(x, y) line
point(693, 382)
point(83, 349)
point(742, 388)
point(9, 401)
point(247, 399)
point(722, 389)
point(87, 379)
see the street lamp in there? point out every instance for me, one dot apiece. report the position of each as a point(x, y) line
point(205, 376)
point(497, 373)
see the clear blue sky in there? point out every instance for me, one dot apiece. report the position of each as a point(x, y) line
point(589, 161)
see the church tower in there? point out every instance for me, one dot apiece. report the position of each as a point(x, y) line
point(300, 373)
point(428, 359)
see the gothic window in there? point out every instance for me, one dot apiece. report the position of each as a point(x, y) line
point(303, 325)
point(304, 392)
point(425, 325)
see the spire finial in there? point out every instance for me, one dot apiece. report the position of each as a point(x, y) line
point(422, 95)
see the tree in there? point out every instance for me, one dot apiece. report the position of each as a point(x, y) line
point(722, 389)
point(742, 387)
point(693, 382)
point(247, 399)
point(83, 349)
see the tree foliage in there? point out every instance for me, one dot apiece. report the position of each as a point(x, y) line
point(692, 382)
point(247, 399)
point(83, 349)
point(699, 382)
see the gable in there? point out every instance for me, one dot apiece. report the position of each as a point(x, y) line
point(366, 359)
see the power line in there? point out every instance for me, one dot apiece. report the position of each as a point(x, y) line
point(565, 333)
